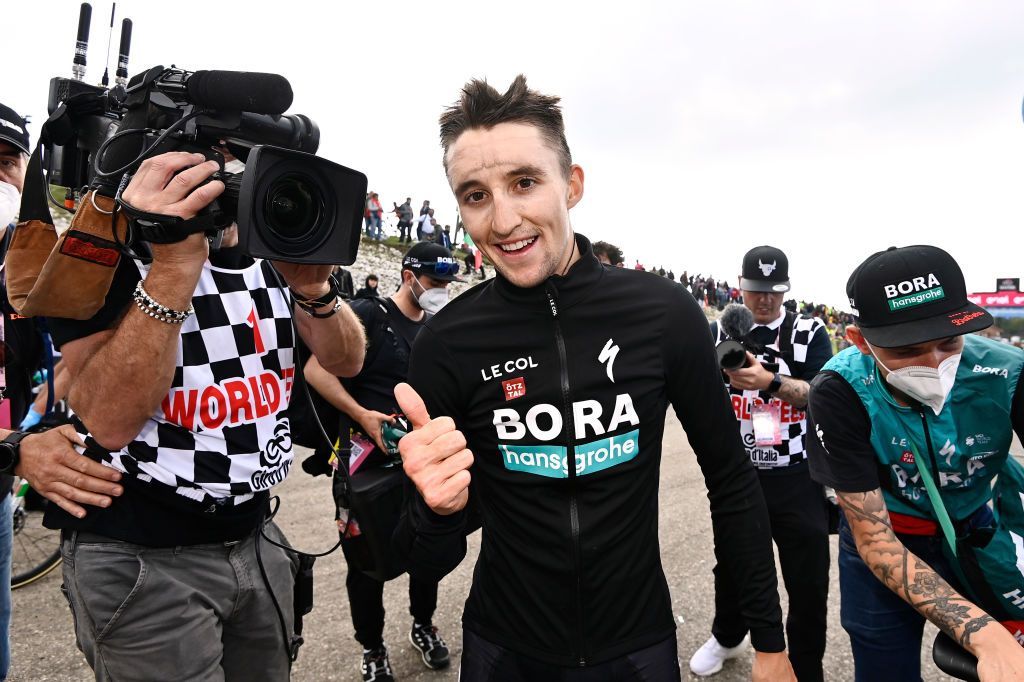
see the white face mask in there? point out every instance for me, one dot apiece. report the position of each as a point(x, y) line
point(927, 385)
point(10, 202)
point(431, 300)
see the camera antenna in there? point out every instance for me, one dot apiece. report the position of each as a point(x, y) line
point(110, 37)
point(121, 77)
point(82, 44)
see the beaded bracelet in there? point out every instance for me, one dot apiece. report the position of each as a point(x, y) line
point(156, 310)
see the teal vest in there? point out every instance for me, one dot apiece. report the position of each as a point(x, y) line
point(970, 438)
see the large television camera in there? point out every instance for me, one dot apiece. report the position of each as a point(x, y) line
point(289, 204)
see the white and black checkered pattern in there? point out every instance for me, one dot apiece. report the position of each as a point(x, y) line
point(222, 432)
point(792, 449)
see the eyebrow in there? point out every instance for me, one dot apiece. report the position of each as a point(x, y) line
point(528, 169)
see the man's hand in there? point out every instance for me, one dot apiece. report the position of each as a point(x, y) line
point(752, 377)
point(1000, 656)
point(308, 280)
point(370, 421)
point(50, 463)
point(171, 184)
point(772, 668)
point(434, 455)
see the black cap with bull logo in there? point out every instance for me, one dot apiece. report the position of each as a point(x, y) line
point(765, 268)
point(910, 295)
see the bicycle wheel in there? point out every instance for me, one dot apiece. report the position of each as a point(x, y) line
point(36, 550)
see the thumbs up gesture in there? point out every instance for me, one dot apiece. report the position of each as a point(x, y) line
point(434, 455)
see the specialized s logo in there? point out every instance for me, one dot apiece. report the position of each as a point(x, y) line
point(608, 354)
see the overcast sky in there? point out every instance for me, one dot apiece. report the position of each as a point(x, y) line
point(829, 130)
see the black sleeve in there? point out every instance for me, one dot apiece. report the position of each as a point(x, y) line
point(432, 544)
point(119, 297)
point(819, 351)
point(739, 516)
point(841, 455)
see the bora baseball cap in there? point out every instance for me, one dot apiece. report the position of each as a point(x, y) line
point(428, 258)
point(910, 295)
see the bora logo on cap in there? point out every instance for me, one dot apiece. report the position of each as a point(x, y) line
point(912, 292)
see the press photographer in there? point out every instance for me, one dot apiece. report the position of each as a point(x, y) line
point(768, 354)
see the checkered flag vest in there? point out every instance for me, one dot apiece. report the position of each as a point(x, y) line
point(221, 433)
point(793, 420)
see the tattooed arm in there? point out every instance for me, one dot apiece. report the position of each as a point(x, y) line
point(755, 377)
point(1000, 657)
point(793, 391)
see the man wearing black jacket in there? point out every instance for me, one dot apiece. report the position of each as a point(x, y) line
point(555, 356)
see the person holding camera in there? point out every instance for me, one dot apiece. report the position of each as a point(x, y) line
point(368, 399)
point(918, 392)
point(181, 383)
point(769, 407)
point(547, 422)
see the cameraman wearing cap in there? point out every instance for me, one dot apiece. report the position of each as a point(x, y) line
point(769, 407)
point(368, 398)
point(916, 381)
point(181, 381)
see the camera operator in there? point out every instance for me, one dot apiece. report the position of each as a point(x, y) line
point(181, 382)
point(769, 407)
point(368, 398)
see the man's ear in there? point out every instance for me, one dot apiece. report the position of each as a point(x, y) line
point(575, 185)
point(856, 338)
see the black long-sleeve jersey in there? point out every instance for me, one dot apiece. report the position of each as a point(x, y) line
point(561, 391)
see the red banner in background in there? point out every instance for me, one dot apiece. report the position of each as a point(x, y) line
point(1000, 299)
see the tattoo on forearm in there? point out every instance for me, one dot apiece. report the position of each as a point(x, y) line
point(905, 574)
point(793, 391)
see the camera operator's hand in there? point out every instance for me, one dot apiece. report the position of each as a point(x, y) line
point(50, 463)
point(752, 377)
point(434, 455)
point(309, 280)
point(171, 184)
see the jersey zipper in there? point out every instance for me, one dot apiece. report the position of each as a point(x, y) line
point(570, 455)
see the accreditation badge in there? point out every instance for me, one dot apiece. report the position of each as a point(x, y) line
point(767, 420)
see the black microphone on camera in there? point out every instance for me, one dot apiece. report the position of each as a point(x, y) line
point(736, 322)
point(259, 93)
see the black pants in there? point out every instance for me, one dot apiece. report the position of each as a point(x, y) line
point(404, 231)
point(484, 661)
point(366, 600)
point(799, 522)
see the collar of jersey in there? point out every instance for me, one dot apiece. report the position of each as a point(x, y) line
point(572, 288)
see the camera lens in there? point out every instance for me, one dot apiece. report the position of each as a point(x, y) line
point(294, 207)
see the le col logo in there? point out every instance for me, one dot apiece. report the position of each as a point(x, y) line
point(998, 371)
point(510, 367)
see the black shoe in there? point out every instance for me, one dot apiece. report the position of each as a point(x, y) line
point(430, 645)
point(375, 666)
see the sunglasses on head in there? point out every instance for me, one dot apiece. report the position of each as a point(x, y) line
point(441, 267)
